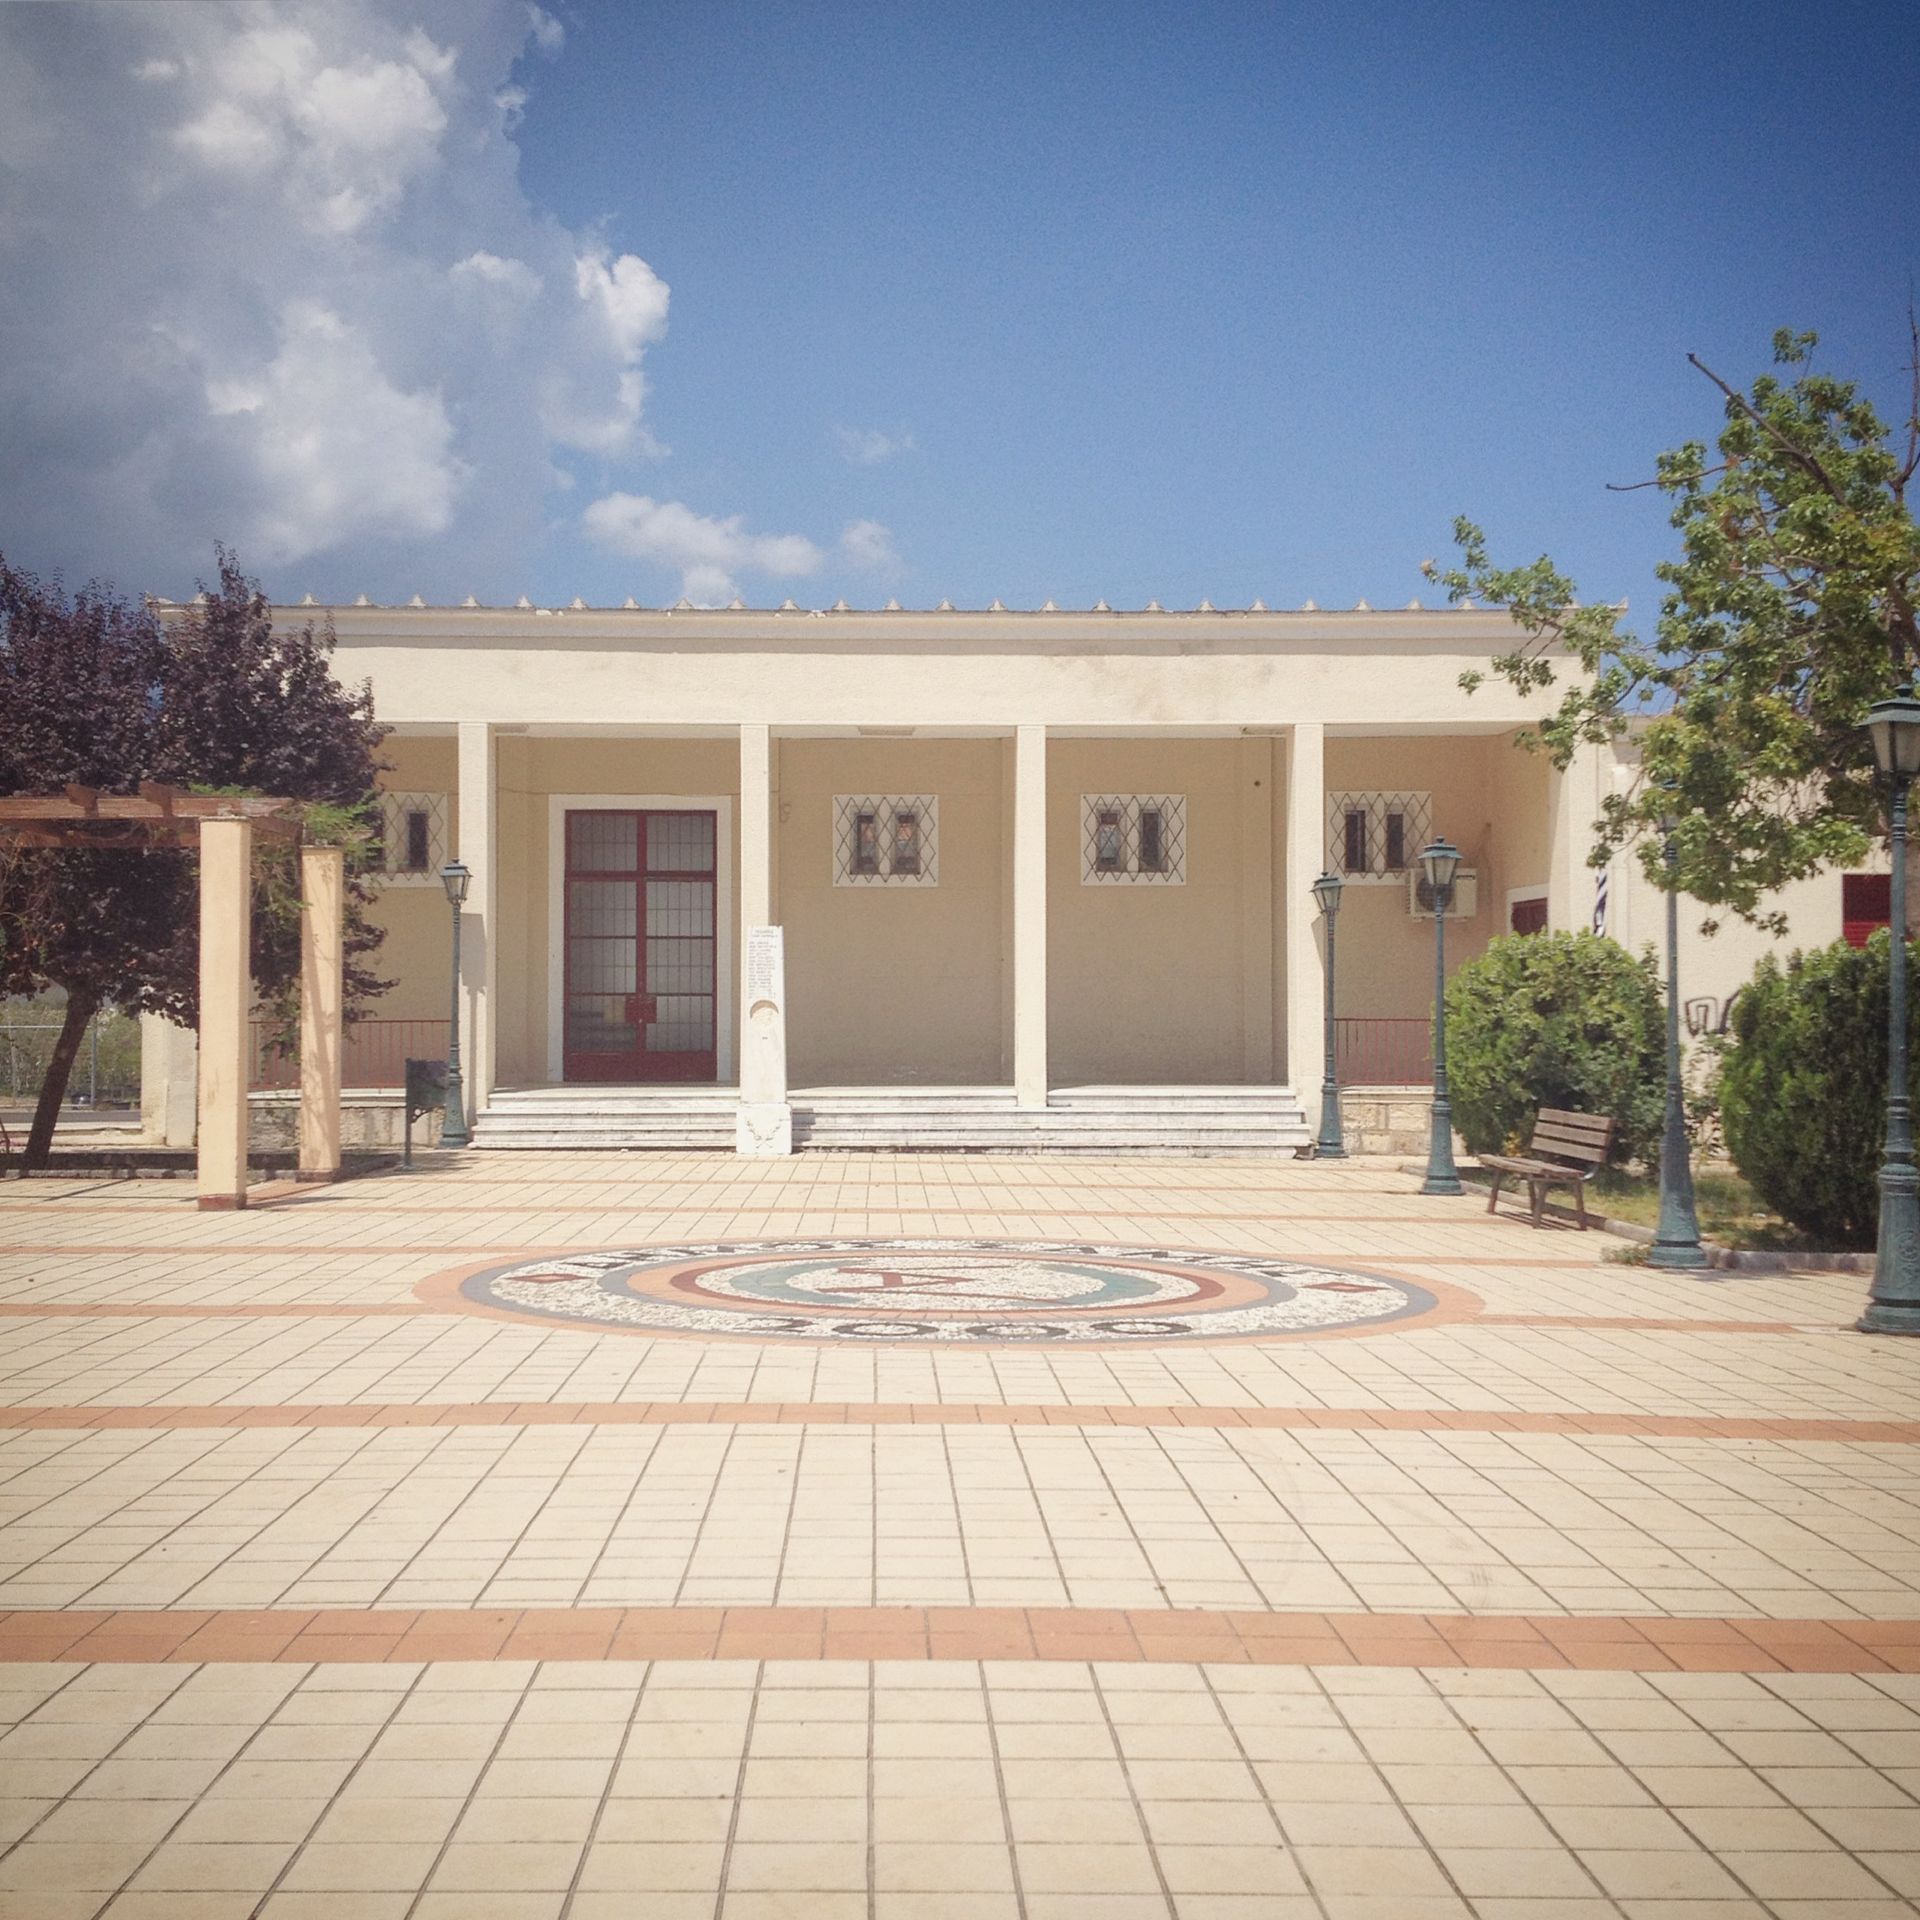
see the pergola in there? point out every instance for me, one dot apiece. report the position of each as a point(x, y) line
point(223, 828)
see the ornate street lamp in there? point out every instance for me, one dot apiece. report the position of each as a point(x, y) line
point(1895, 1307)
point(1330, 1146)
point(455, 877)
point(1676, 1241)
point(1439, 863)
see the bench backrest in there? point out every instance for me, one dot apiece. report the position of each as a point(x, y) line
point(1581, 1139)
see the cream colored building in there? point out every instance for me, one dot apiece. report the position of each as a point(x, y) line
point(1714, 967)
point(1038, 876)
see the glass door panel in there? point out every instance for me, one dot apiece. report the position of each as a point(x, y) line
point(640, 948)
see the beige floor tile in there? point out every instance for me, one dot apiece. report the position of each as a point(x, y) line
point(667, 1866)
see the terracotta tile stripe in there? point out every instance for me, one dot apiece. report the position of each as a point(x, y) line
point(733, 1413)
point(393, 1309)
point(1532, 1641)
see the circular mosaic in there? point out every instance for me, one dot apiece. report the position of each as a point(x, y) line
point(943, 1292)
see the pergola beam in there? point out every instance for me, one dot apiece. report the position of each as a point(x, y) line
point(224, 828)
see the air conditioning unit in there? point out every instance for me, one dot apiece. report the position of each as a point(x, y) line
point(1466, 895)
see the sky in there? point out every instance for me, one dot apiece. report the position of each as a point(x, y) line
point(915, 300)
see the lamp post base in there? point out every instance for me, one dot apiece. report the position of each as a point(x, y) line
point(453, 1127)
point(1330, 1145)
point(1683, 1257)
point(1895, 1306)
point(1889, 1316)
point(1442, 1175)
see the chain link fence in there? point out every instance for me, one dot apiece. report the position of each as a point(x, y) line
point(106, 1070)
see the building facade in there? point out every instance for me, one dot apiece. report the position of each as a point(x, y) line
point(1036, 875)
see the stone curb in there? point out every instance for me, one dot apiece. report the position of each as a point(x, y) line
point(1727, 1259)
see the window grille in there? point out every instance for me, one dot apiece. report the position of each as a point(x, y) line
point(1133, 839)
point(414, 839)
point(1376, 837)
point(886, 839)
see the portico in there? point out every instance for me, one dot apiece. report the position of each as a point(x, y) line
point(1010, 855)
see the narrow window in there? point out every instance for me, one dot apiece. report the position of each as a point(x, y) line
point(1396, 843)
point(1109, 844)
point(1356, 847)
point(419, 840)
point(906, 841)
point(1866, 905)
point(1153, 858)
point(866, 844)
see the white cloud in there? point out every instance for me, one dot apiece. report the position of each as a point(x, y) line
point(355, 348)
point(867, 545)
point(548, 34)
point(708, 552)
point(335, 450)
point(340, 138)
point(513, 278)
point(248, 169)
point(867, 446)
point(623, 306)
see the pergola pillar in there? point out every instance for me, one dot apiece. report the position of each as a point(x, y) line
point(322, 1009)
point(226, 1000)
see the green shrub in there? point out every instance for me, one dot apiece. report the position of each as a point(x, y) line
point(1803, 1092)
point(1556, 1020)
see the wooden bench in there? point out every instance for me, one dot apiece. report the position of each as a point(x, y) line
point(1567, 1150)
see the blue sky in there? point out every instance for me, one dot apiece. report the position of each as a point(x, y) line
point(1070, 301)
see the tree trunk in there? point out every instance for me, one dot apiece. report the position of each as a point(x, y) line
point(53, 1089)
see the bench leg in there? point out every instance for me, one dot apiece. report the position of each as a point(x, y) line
point(1537, 1194)
point(1493, 1199)
point(1580, 1202)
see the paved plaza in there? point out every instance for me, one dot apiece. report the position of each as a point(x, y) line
point(652, 1537)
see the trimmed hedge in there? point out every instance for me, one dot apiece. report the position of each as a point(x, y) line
point(1557, 1020)
point(1804, 1087)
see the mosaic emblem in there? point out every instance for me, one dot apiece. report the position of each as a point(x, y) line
point(944, 1292)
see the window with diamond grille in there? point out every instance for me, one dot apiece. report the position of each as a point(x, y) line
point(1133, 839)
point(1376, 837)
point(886, 839)
point(414, 839)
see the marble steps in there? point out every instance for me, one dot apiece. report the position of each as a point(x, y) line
point(1178, 1120)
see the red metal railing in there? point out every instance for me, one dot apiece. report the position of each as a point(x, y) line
point(377, 1053)
point(1371, 1052)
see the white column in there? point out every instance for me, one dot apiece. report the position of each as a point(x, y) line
point(1256, 911)
point(1030, 916)
point(169, 1069)
point(322, 1009)
point(1306, 855)
point(763, 1124)
point(479, 949)
point(1574, 802)
point(226, 1002)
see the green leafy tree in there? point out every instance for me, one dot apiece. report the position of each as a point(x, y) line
point(1556, 1020)
point(95, 691)
point(1803, 1087)
point(1790, 609)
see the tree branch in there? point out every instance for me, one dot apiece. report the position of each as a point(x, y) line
point(1800, 458)
point(1640, 486)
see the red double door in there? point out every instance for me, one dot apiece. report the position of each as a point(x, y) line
point(641, 898)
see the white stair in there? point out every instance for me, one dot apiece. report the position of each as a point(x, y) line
point(1161, 1120)
point(651, 1117)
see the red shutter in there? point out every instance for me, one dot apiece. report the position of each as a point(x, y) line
point(1866, 903)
